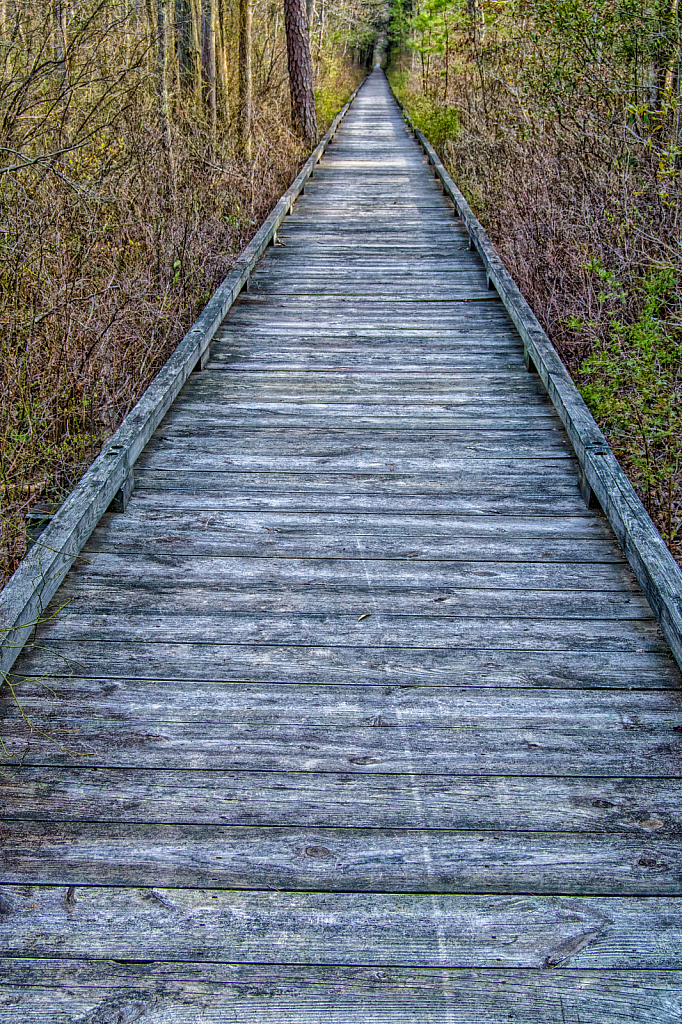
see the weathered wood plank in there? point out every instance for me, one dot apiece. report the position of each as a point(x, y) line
point(165, 453)
point(362, 749)
point(318, 628)
point(353, 573)
point(641, 806)
point(142, 515)
point(104, 593)
point(162, 495)
point(377, 929)
point(309, 705)
point(378, 666)
point(374, 385)
point(339, 860)
point(62, 991)
point(560, 484)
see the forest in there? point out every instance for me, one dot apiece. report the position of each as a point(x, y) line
point(560, 122)
point(144, 141)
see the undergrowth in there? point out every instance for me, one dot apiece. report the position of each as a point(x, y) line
point(632, 382)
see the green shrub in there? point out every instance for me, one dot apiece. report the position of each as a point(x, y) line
point(632, 381)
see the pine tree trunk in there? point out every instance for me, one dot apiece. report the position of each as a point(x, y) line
point(208, 62)
point(245, 111)
point(303, 114)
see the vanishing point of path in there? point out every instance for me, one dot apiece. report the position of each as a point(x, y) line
point(363, 715)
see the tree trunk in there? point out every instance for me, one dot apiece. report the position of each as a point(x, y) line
point(162, 86)
point(61, 45)
point(222, 73)
point(245, 111)
point(303, 114)
point(669, 51)
point(183, 37)
point(208, 62)
point(476, 17)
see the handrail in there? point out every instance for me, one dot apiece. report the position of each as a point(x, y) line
point(44, 567)
point(656, 570)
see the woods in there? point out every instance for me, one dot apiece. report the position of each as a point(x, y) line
point(560, 121)
point(141, 146)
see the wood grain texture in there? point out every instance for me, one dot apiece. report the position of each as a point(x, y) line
point(359, 665)
point(575, 805)
point(339, 860)
point(357, 713)
point(378, 929)
point(60, 991)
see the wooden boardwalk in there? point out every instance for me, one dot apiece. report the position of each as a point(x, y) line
point(364, 716)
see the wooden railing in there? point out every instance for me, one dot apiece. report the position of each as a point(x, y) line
point(34, 584)
point(601, 476)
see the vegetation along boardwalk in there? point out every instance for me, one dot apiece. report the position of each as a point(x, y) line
point(357, 713)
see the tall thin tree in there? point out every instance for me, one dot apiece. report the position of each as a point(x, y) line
point(245, 108)
point(162, 85)
point(183, 44)
point(208, 62)
point(300, 71)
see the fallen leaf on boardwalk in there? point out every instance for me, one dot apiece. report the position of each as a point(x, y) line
point(367, 615)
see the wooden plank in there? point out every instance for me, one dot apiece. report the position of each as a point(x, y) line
point(169, 455)
point(310, 705)
point(452, 444)
point(640, 806)
point(62, 991)
point(360, 749)
point(382, 628)
point(340, 860)
point(278, 595)
point(372, 386)
point(162, 494)
point(362, 664)
point(143, 516)
point(352, 571)
point(377, 929)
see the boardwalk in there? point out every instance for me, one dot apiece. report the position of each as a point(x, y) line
point(363, 714)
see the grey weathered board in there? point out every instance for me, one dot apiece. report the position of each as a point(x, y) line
point(358, 712)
